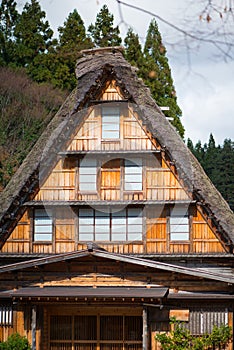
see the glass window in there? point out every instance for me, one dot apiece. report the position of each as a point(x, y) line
point(110, 123)
point(43, 225)
point(123, 225)
point(88, 175)
point(133, 175)
point(179, 224)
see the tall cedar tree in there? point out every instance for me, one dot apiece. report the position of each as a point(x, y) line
point(103, 32)
point(133, 51)
point(58, 66)
point(156, 73)
point(33, 34)
point(8, 19)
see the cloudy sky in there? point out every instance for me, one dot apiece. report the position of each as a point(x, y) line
point(203, 78)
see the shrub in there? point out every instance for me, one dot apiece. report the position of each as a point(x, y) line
point(180, 338)
point(15, 342)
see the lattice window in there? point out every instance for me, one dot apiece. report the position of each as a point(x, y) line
point(202, 321)
point(43, 225)
point(88, 175)
point(179, 224)
point(122, 225)
point(133, 175)
point(110, 123)
point(6, 315)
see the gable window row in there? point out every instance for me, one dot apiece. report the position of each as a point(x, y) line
point(126, 224)
point(132, 173)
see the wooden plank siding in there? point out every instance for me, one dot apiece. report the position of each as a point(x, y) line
point(160, 183)
point(155, 237)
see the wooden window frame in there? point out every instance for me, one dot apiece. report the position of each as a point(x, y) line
point(80, 175)
point(110, 123)
point(180, 224)
point(127, 223)
point(50, 233)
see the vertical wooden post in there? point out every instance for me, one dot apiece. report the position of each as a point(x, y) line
point(145, 329)
point(33, 326)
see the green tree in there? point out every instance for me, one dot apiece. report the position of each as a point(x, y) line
point(156, 74)
point(58, 66)
point(33, 34)
point(8, 19)
point(133, 51)
point(103, 32)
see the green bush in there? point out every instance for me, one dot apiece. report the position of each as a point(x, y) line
point(180, 338)
point(15, 342)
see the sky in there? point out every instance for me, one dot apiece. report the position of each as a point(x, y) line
point(203, 78)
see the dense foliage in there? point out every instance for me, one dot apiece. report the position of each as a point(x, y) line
point(217, 162)
point(180, 338)
point(26, 108)
point(15, 342)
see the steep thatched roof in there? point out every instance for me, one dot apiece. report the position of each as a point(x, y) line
point(93, 69)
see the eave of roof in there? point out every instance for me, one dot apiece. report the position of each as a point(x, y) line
point(119, 257)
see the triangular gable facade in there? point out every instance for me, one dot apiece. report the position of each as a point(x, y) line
point(111, 198)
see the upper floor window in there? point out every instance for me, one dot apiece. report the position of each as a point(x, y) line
point(110, 123)
point(133, 175)
point(43, 225)
point(123, 225)
point(179, 224)
point(88, 174)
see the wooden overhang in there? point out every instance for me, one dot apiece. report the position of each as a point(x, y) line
point(95, 251)
point(199, 296)
point(104, 203)
point(85, 293)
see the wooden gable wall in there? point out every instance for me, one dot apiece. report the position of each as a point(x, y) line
point(161, 183)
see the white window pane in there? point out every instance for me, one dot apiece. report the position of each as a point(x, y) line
point(46, 229)
point(102, 229)
point(179, 236)
point(86, 225)
point(119, 229)
point(179, 220)
point(135, 220)
point(133, 186)
point(102, 220)
point(110, 127)
point(88, 178)
point(102, 237)
point(87, 170)
point(133, 178)
point(137, 236)
point(42, 237)
point(43, 221)
point(179, 228)
point(86, 220)
point(91, 186)
point(86, 212)
point(110, 134)
point(134, 212)
point(133, 170)
point(134, 228)
point(118, 237)
point(118, 220)
point(86, 237)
